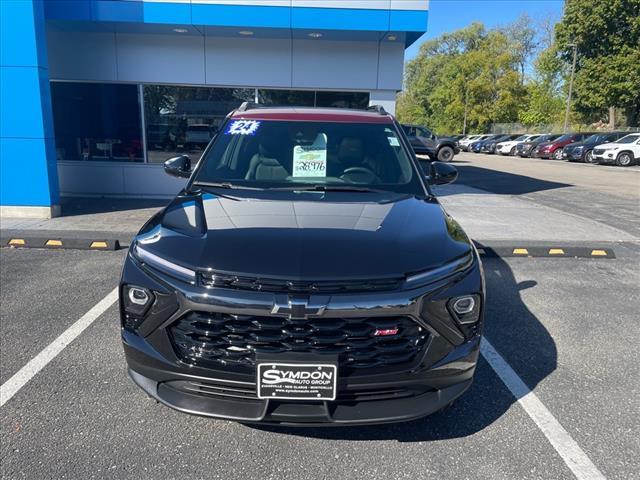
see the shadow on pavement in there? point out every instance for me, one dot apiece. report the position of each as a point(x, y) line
point(73, 206)
point(503, 183)
point(514, 332)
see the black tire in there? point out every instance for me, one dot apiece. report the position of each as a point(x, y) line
point(588, 157)
point(512, 153)
point(445, 154)
point(624, 159)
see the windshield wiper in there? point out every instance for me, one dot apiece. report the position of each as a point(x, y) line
point(227, 185)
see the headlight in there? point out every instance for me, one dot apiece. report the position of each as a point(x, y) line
point(172, 269)
point(440, 273)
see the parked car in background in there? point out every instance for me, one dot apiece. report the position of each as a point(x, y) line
point(583, 151)
point(468, 140)
point(509, 147)
point(525, 149)
point(476, 147)
point(424, 142)
point(489, 146)
point(199, 135)
point(553, 149)
point(624, 152)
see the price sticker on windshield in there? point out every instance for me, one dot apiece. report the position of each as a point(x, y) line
point(311, 160)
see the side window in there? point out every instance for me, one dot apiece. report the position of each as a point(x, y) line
point(410, 131)
point(423, 132)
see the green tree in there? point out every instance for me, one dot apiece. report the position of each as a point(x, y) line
point(545, 100)
point(607, 37)
point(471, 76)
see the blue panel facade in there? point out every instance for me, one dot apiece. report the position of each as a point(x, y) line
point(239, 15)
point(27, 154)
point(134, 41)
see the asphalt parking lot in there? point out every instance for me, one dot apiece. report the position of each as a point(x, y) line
point(567, 327)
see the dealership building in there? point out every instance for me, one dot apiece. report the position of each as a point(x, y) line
point(96, 94)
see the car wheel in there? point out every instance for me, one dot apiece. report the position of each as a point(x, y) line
point(557, 155)
point(445, 154)
point(513, 152)
point(588, 157)
point(624, 159)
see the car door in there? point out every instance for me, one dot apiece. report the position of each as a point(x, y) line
point(427, 138)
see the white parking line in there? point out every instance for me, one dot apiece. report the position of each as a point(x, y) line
point(575, 458)
point(9, 388)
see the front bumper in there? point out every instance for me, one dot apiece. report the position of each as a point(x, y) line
point(607, 157)
point(442, 370)
point(382, 400)
point(573, 155)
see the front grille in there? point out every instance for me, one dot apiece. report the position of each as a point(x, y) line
point(238, 282)
point(598, 151)
point(217, 339)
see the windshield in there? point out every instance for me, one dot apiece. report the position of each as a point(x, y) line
point(594, 138)
point(628, 139)
point(286, 154)
point(564, 138)
point(521, 137)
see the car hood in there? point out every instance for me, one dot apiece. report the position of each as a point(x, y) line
point(609, 146)
point(508, 143)
point(304, 235)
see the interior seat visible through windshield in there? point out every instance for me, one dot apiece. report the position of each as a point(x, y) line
point(274, 153)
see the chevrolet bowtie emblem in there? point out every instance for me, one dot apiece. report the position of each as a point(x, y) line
point(297, 308)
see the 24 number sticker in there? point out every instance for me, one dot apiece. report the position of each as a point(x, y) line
point(243, 127)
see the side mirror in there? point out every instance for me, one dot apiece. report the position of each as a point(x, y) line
point(178, 166)
point(442, 173)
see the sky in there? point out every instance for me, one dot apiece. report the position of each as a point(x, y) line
point(449, 15)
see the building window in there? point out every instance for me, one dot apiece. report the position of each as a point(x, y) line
point(96, 122)
point(298, 98)
point(342, 99)
point(184, 119)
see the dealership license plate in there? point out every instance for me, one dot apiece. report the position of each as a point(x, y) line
point(297, 381)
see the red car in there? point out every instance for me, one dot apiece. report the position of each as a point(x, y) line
point(554, 149)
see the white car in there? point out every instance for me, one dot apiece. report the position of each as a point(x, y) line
point(623, 152)
point(509, 148)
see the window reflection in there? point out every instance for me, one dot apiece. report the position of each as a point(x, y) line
point(342, 99)
point(184, 119)
point(298, 98)
point(96, 122)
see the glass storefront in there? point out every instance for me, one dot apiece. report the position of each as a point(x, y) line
point(104, 122)
point(97, 122)
point(184, 119)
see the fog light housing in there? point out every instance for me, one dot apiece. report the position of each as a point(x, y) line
point(465, 309)
point(136, 300)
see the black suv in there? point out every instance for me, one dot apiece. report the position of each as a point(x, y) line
point(305, 275)
point(424, 142)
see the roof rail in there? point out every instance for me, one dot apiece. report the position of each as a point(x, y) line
point(247, 106)
point(377, 108)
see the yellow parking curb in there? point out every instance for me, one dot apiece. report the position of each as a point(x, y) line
point(98, 244)
point(17, 242)
point(556, 251)
point(520, 251)
point(54, 243)
point(598, 253)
